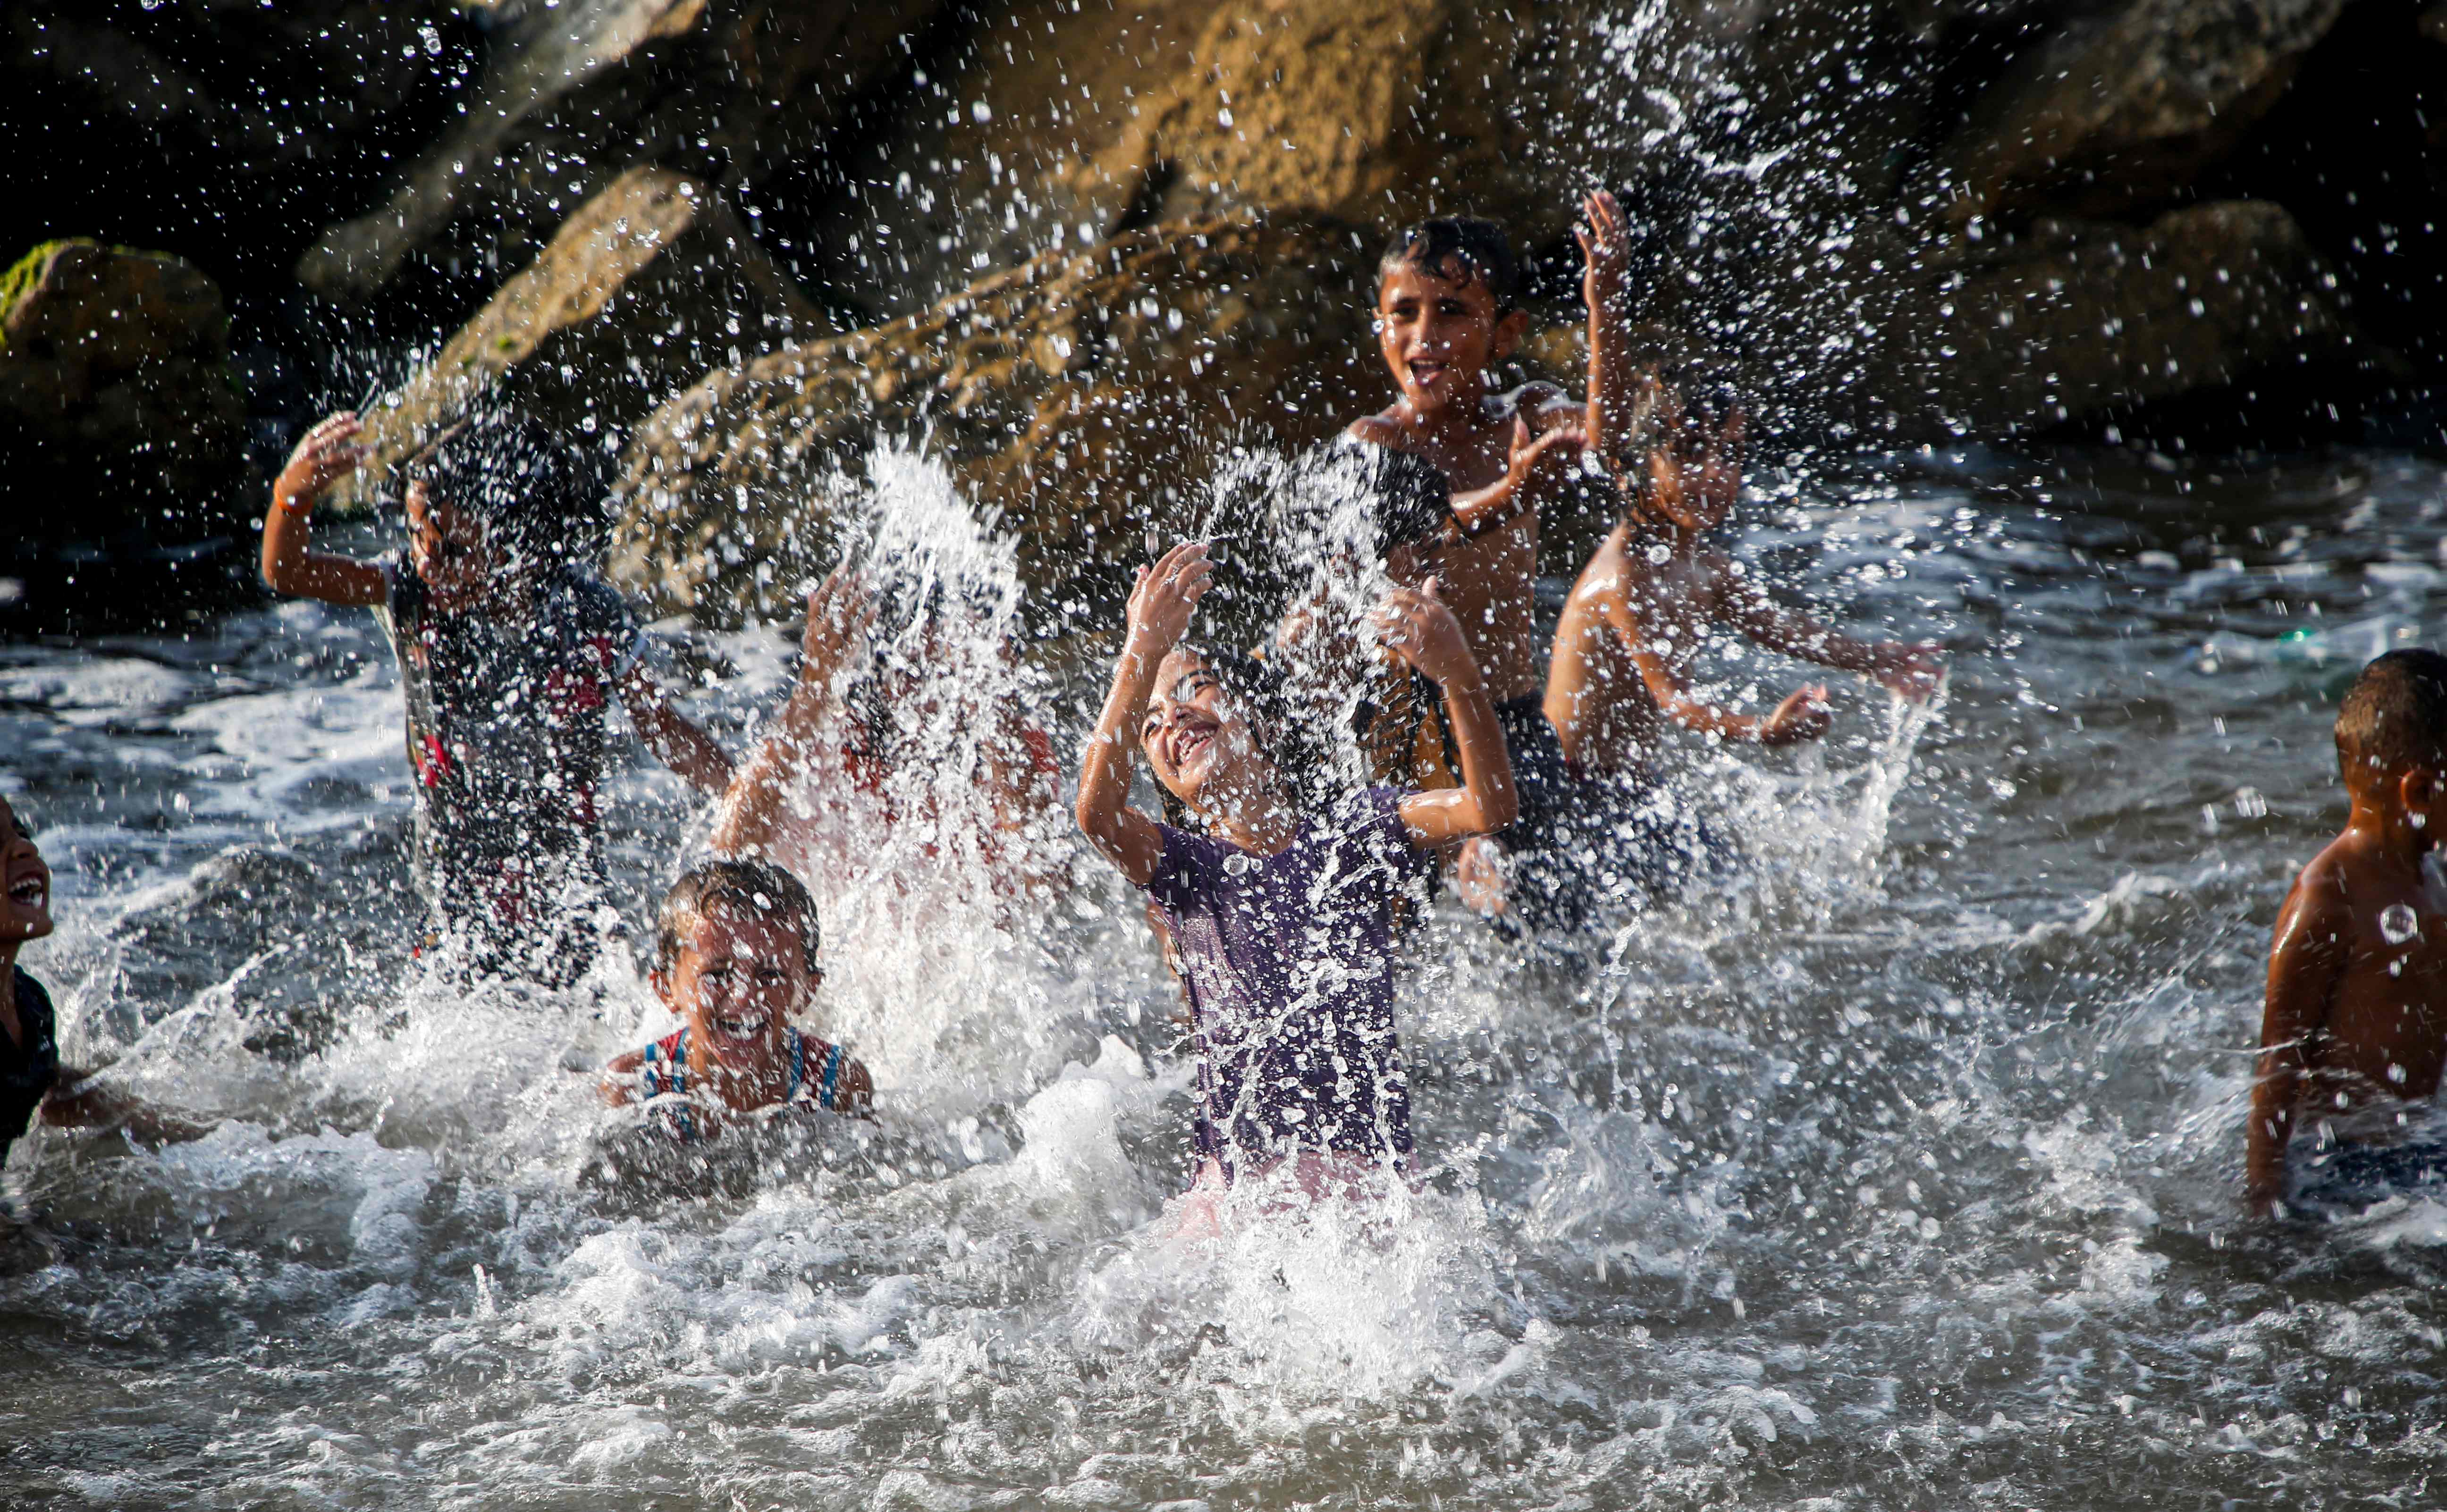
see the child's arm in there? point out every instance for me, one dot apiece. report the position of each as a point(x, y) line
point(854, 1094)
point(290, 565)
point(1909, 669)
point(1615, 389)
point(839, 612)
point(1802, 715)
point(2307, 959)
point(1159, 612)
point(77, 1102)
point(1530, 469)
point(619, 1084)
point(1423, 632)
point(676, 741)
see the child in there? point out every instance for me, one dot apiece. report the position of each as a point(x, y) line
point(31, 1077)
point(735, 958)
point(785, 804)
point(1282, 920)
point(2354, 1032)
point(1636, 620)
point(508, 656)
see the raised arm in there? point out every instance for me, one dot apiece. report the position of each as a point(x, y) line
point(839, 612)
point(1539, 456)
point(1618, 398)
point(1802, 715)
point(1159, 612)
point(2306, 960)
point(1911, 670)
point(1419, 629)
point(290, 565)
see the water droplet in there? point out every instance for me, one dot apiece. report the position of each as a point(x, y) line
point(1659, 554)
point(2398, 923)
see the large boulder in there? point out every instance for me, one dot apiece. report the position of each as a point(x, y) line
point(1078, 396)
point(118, 416)
point(2124, 109)
point(648, 285)
point(572, 93)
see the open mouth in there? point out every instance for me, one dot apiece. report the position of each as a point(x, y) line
point(743, 1027)
point(31, 891)
point(1424, 373)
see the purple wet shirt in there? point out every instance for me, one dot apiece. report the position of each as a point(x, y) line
point(1289, 963)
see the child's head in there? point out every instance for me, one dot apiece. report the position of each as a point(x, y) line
point(735, 958)
point(1447, 297)
point(1212, 726)
point(1682, 412)
point(2392, 730)
point(493, 498)
point(24, 881)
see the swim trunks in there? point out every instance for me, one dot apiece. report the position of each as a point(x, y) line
point(2356, 1174)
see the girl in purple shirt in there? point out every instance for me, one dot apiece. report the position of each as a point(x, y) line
point(1282, 920)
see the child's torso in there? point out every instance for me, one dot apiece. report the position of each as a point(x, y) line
point(2384, 1040)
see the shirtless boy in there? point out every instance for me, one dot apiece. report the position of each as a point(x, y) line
point(1653, 591)
point(735, 958)
point(2354, 1031)
point(508, 658)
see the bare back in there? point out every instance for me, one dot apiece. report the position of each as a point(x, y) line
point(2378, 1035)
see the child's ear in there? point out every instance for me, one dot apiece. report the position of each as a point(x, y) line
point(2418, 789)
point(1508, 331)
point(661, 982)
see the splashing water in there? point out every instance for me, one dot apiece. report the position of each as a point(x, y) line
point(1898, 1174)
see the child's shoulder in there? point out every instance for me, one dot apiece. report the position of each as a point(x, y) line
point(1536, 399)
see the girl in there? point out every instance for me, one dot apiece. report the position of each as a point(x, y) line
point(1282, 920)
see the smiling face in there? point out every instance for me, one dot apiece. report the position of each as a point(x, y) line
point(1439, 335)
point(448, 547)
point(1198, 741)
point(737, 979)
point(25, 904)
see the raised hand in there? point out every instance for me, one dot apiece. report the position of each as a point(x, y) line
point(1164, 594)
point(1605, 247)
point(1910, 671)
point(324, 456)
point(839, 612)
point(1802, 716)
point(1414, 625)
point(1535, 454)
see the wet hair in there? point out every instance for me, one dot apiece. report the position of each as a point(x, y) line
point(2394, 718)
point(754, 889)
point(1457, 249)
point(1261, 689)
point(1710, 394)
point(535, 491)
point(1408, 498)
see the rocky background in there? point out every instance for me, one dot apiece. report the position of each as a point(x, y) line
point(1076, 246)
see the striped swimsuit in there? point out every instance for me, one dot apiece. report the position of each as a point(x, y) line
point(664, 1073)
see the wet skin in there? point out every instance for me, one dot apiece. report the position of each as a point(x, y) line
point(25, 907)
point(2355, 1024)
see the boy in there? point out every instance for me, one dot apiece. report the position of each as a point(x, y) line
point(735, 958)
point(32, 1078)
point(1282, 920)
point(1633, 626)
point(2354, 1032)
point(1446, 312)
point(507, 657)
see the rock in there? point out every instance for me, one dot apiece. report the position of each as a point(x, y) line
point(572, 93)
point(648, 285)
point(2078, 318)
point(1052, 125)
point(2123, 110)
point(1077, 395)
point(118, 415)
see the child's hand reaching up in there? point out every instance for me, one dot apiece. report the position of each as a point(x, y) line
point(839, 612)
point(324, 456)
point(1415, 626)
point(1802, 716)
point(1163, 599)
point(1605, 245)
